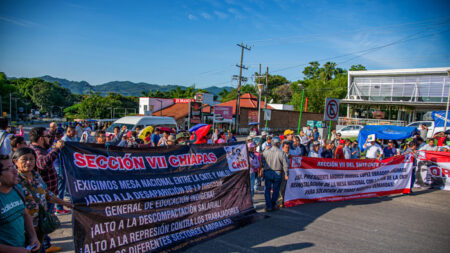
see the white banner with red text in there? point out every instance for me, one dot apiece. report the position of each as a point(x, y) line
point(320, 179)
point(433, 170)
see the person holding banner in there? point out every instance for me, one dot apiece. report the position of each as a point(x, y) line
point(255, 165)
point(275, 168)
point(16, 225)
point(430, 146)
point(35, 190)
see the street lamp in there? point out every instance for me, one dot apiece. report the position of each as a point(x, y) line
point(301, 109)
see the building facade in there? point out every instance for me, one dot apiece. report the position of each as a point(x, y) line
point(396, 96)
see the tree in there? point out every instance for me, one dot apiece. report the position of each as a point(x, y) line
point(283, 94)
point(357, 67)
point(312, 71)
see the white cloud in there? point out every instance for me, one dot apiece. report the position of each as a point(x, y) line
point(19, 22)
point(205, 15)
point(237, 14)
point(192, 17)
point(221, 15)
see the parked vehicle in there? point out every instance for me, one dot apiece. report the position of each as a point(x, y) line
point(143, 121)
point(350, 131)
point(431, 129)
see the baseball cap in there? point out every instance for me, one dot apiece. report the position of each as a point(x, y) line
point(341, 141)
point(171, 138)
point(264, 133)
point(288, 131)
point(316, 143)
point(249, 137)
point(275, 140)
point(251, 145)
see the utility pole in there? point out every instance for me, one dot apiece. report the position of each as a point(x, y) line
point(259, 98)
point(239, 84)
point(265, 92)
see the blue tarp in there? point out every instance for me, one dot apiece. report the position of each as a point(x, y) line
point(439, 118)
point(385, 133)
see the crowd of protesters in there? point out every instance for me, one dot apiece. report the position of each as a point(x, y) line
point(33, 178)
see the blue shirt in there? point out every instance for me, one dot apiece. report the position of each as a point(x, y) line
point(155, 139)
point(357, 155)
point(389, 152)
point(12, 222)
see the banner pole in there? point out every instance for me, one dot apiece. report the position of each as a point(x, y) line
point(329, 130)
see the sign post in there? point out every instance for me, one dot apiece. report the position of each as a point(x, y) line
point(331, 111)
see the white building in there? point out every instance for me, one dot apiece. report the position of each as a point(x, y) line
point(396, 96)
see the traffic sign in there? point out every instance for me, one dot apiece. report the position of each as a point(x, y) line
point(267, 114)
point(331, 109)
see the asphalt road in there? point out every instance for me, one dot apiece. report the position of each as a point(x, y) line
point(397, 223)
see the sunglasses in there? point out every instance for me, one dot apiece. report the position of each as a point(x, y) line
point(47, 136)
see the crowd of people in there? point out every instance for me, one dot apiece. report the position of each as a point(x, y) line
point(32, 178)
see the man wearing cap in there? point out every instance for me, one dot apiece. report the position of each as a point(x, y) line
point(182, 138)
point(372, 150)
point(339, 153)
point(171, 140)
point(288, 137)
point(275, 167)
point(314, 152)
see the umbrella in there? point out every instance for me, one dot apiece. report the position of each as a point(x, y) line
point(166, 129)
point(200, 133)
point(196, 127)
point(144, 131)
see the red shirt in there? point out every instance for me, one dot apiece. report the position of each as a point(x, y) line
point(441, 141)
point(339, 154)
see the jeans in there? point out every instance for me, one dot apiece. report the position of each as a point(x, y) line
point(272, 181)
point(61, 185)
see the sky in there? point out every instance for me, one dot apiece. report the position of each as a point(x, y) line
point(195, 42)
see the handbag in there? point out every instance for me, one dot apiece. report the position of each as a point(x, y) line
point(48, 221)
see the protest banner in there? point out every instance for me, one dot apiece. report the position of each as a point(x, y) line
point(321, 179)
point(155, 199)
point(433, 170)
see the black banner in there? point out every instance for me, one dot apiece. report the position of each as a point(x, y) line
point(155, 199)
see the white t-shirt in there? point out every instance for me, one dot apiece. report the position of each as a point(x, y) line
point(372, 150)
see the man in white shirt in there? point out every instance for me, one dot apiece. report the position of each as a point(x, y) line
point(303, 138)
point(308, 131)
point(5, 146)
point(430, 146)
point(372, 150)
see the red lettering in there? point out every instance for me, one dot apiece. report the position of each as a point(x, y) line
point(199, 158)
point(112, 163)
point(194, 159)
point(90, 161)
point(206, 159)
point(182, 159)
point(152, 161)
point(138, 163)
point(173, 160)
point(101, 162)
point(213, 157)
point(79, 160)
point(445, 172)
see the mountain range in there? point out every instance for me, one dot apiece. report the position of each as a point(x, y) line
point(125, 88)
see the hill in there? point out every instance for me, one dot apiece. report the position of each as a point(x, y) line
point(125, 88)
